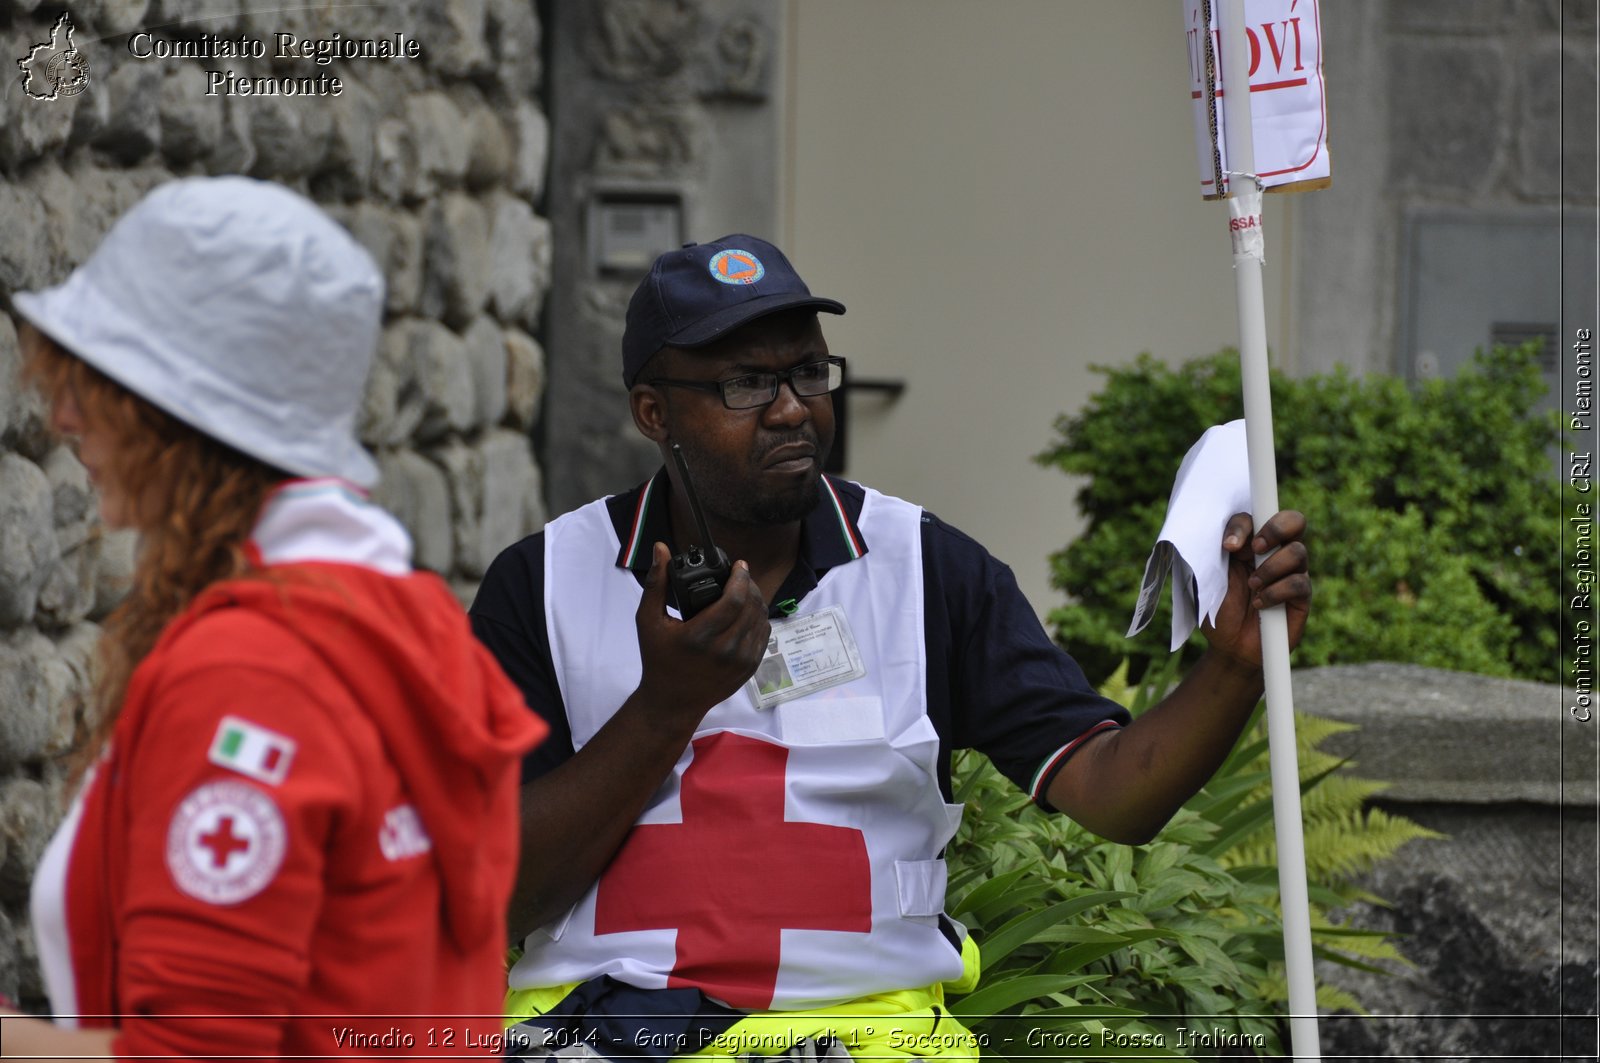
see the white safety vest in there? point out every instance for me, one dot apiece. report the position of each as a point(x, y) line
point(791, 861)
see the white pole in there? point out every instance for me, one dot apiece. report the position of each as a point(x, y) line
point(1264, 502)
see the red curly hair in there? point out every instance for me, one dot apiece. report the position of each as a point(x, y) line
point(194, 501)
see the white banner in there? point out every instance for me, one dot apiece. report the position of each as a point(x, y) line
point(1288, 105)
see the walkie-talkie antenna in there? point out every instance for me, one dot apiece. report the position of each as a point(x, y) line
point(698, 574)
point(694, 500)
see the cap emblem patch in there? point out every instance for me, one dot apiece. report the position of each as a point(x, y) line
point(734, 266)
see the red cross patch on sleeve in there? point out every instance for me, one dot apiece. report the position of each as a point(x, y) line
point(225, 843)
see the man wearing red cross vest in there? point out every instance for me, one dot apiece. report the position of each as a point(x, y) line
point(740, 817)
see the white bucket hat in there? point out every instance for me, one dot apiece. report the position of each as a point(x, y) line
point(238, 307)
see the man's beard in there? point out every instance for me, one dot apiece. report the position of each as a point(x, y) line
point(789, 506)
point(741, 503)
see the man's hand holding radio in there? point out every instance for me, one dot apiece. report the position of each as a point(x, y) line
point(689, 666)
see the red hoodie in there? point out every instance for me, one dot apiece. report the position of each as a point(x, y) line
point(303, 838)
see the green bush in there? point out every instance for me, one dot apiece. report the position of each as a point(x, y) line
point(1428, 506)
point(1094, 950)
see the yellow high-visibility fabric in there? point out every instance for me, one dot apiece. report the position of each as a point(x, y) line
point(907, 1024)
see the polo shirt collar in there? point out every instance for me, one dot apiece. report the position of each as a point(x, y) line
point(829, 534)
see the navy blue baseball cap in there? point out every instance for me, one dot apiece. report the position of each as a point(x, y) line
point(699, 293)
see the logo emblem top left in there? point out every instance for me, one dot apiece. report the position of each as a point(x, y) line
point(55, 69)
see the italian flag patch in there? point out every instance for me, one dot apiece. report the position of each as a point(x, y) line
point(252, 750)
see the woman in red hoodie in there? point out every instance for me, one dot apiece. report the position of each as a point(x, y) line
point(294, 832)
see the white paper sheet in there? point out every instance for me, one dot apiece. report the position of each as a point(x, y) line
point(1213, 483)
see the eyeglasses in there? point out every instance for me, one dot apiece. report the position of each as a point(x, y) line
point(758, 389)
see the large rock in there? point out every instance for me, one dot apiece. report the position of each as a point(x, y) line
point(456, 270)
point(394, 239)
point(68, 593)
point(30, 986)
point(529, 162)
point(415, 491)
point(442, 136)
point(27, 818)
point(28, 548)
point(519, 248)
point(30, 128)
point(134, 127)
point(486, 357)
point(395, 170)
point(454, 32)
point(68, 681)
point(291, 135)
point(99, 197)
point(213, 16)
point(11, 964)
point(524, 379)
point(390, 407)
point(514, 38)
point(62, 208)
point(234, 151)
point(512, 504)
point(348, 163)
point(10, 367)
point(114, 566)
point(1497, 924)
point(443, 379)
point(111, 18)
point(491, 486)
point(1497, 917)
point(25, 251)
point(26, 689)
point(72, 496)
point(93, 111)
point(463, 469)
point(1455, 737)
point(191, 122)
point(489, 156)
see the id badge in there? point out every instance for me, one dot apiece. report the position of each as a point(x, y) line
point(805, 654)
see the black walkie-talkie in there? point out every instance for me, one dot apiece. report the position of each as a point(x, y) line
point(699, 572)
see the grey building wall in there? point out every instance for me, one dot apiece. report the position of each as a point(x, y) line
point(437, 165)
point(1476, 114)
point(666, 119)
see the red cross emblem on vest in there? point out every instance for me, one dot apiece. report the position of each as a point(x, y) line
point(735, 874)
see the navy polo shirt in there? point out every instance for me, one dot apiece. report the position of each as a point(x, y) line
point(996, 682)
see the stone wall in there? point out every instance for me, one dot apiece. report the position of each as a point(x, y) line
point(436, 164)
